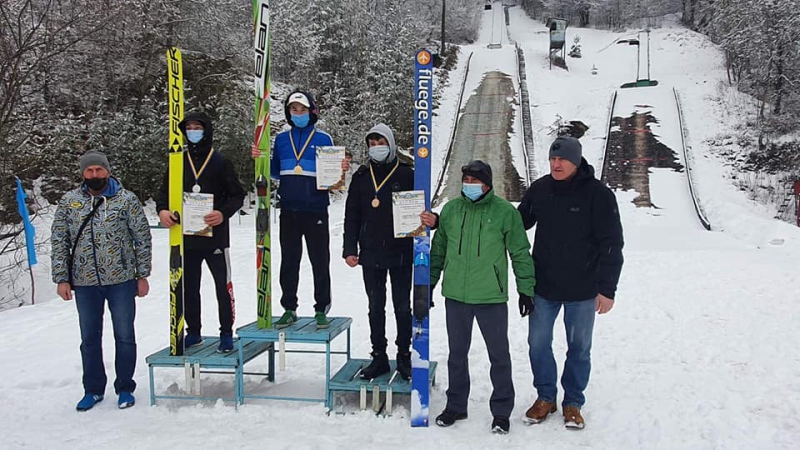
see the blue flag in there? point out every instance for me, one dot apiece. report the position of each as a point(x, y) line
point(30, 232)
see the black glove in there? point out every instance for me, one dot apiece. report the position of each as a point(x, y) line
point(525, 305)
point(433, 286)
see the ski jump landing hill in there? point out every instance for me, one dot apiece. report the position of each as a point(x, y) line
point(485, 122)
point(646, 152)
point(643, 146)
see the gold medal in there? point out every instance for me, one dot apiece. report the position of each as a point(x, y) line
point(297, 169)
point(376, 202)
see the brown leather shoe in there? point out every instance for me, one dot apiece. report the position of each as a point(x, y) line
point(539, 411)
point(573, 419)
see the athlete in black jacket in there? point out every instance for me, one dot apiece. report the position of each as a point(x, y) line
point(369, 242)
point(206, 171)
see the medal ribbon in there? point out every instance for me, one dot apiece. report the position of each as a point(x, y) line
point(196, 173)
point(375, 182)
point(305, 146)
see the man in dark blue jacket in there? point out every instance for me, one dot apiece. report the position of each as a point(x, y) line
point(577, 253)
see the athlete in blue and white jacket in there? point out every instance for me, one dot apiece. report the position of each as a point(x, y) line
point(304, 208)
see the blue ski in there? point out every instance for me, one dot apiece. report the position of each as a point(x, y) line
point(420, 363)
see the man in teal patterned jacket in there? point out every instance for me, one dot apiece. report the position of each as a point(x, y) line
point(101, 249)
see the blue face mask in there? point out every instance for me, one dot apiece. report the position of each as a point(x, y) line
point(472, 191)
point(300, 120)
point(379, 153)
point(194, 136)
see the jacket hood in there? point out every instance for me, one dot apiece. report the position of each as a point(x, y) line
point(313, 112)
point(585, 170)
point(208, 131)
point(112, 188)
point(384, 130)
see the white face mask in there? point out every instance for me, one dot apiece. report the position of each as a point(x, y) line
point(379, 153)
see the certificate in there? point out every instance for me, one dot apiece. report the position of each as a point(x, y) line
point(406, 208)
point(195, 207)
point(330, 176)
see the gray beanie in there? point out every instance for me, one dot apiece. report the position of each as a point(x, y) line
point(567, 147)
point(94, 158)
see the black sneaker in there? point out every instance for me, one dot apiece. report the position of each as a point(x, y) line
point(500, 425)
point(378, 366)
point(404, 365)
point(447, 418)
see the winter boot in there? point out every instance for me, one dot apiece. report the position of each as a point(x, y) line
point(378, 366)
point(539, 411)
point(573, 419)
point(404, 364)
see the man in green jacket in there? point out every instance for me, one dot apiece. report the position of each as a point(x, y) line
point(475, 235)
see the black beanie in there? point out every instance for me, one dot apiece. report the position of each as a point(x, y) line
point(478, 169)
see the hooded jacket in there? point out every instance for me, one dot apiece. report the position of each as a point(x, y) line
point(577, 248)
point(298, 192)
point(218, 178)
point(368, 231)
point(115, 245)
point(472, 246)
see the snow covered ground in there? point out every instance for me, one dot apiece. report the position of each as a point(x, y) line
point(698, 353)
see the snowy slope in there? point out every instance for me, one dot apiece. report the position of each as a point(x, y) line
point(698, 353)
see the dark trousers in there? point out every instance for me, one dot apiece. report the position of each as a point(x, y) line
point(375, 285)
point(493, 323)
point(91, 301)
point(314, 227)
point(218, 262)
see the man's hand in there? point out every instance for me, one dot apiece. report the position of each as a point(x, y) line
point(351, 260)
point(142, 287)
point(428, 219)
point(525, 305)
point(346, 164)
point(213, 218)
point(255, 152)
point(604, 304)
point(64, 291)
point(166, 218)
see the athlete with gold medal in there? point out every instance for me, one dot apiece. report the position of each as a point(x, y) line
point(304, 208)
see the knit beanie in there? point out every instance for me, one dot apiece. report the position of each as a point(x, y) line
point(478, 169)
point(94, 158)
point(567, 147)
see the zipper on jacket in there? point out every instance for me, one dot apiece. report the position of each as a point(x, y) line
point(94, 251)
point(461, 239)
point(480, 229)
point(497, 276)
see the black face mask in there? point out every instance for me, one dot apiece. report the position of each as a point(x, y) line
point(96, 184)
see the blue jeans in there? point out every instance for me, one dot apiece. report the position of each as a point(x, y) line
point(90, 301)
point(579, 323)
